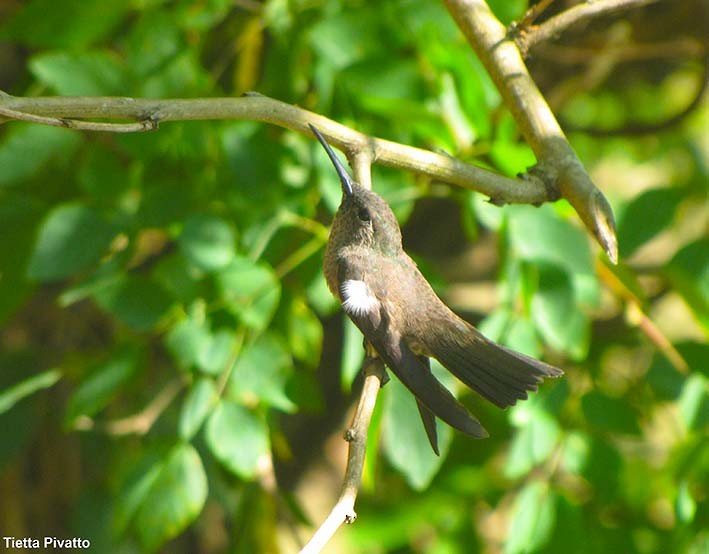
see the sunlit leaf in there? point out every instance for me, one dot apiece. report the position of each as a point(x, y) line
point(261, 372)
point(208, 242)
point(251, 290)
point(196, 406)
point(535, 440)
point(533, 518)
point(556, 315)
point(305, 333)
point(405, 443)
point(694, 402)
point(352, 352)
point(80, 74)
point(238, 438)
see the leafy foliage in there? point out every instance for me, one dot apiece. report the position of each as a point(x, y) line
point(189, 259)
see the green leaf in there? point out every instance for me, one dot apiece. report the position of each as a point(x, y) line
point(104, 175)
point(262, 372)
point(208, 242)
point(540, 235)
point(215, 354)
point(405, 443)
point(251, 290)
point(352, 353)
point(135, 484)
point(80, 73)
point(175, 498)
point(26, 149)
point(685, 505)
point(664, 379)
point(179, 277)
point(102, 384)
point(71, 238)
point(576, 452)
point(534, 442)
point(533, 518)
point(187, 340)
point(645, 216)
point(688, 271)
point(153, 41)
point(196, 406)
point(608, 413)
point(694, 402)
point(557, 318)
point(12, 395)
point(65, 24)
point(237, 438)
point(305, 333)
point(136, 300)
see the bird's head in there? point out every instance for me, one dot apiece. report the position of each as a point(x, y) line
point(363, 218)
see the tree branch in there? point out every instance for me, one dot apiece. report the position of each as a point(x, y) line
point(527, 39)
point(557, 159)
point(140, 423)
point(137, 127)
point(356, 435)
point(501, 190)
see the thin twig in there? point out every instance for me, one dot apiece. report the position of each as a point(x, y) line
point(140, 423)
point(636, 316)
point(135, 127)
point(533, 14)
point(356, 435)
point(528, 38)
point(556, 157)
point(530, 190)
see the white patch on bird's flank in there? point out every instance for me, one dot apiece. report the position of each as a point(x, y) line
point(357, 298)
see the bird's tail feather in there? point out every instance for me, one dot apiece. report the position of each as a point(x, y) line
point(499, 374)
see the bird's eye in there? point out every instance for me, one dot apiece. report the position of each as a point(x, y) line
point(363, 214)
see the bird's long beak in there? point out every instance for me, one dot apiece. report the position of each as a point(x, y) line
point(345, 178)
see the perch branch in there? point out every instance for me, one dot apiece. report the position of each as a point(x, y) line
point(356, 435)
point(535, 119)
point(529, 190)
point(527, 39)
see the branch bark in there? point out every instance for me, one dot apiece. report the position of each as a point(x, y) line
point(362, 149)
point(356, 435)
point(557, 159)
point(584, 11)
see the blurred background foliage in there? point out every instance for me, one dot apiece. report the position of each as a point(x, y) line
point(175, 375)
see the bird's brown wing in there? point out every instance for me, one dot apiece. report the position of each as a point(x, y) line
point(389, 344)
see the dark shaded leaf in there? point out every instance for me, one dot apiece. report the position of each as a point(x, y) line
point(175, 498)
point(26, 149)
point(71, 238)
point(644, 217)
point(610, 414)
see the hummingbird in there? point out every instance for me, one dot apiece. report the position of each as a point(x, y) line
point(403, 320)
